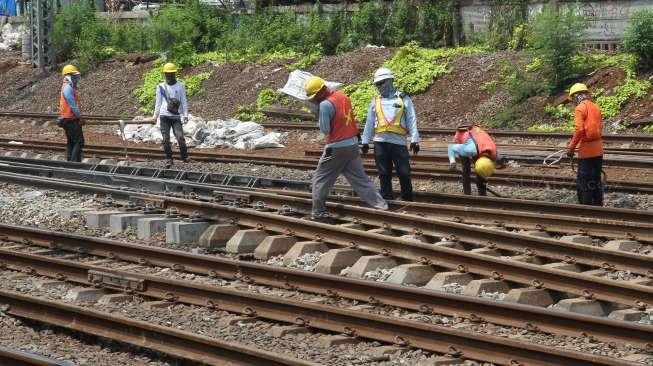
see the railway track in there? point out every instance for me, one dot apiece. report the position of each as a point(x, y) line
point(443, 257)
point(322, 317)
point(14, 357)
point(418, 172)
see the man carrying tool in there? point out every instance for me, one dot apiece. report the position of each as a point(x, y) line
point(70, 115)
point(473, 142)
point(172, 107)
point(588, 135)
point(390, 118)
point(341, 155)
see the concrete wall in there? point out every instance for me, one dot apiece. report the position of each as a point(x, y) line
point(608, 19)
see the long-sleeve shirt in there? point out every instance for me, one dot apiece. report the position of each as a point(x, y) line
point(177, 91)
point(390, 109)
point(69, 95)
point(326, 113)
point(464, 150)
point(585, 113)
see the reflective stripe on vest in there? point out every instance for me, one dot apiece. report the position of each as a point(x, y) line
point(65, 111)
point(382, 123)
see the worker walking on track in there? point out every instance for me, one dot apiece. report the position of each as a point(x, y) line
point(473, 143)
point(70, 114)
point(588, 137)
point(341, 155)
point(390, 118)
point(172, 109)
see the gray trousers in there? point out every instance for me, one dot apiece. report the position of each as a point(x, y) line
point(346, 161)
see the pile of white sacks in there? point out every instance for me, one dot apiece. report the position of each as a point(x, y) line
point(10, 36)
point(210, 134)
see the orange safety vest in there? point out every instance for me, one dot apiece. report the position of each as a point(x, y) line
point(382, 124)
point(589, 129)
point(64, 108)
point(485, 145)
point(343, 124)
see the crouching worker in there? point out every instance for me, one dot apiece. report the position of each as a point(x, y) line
point(473, 144)
point(341, 154)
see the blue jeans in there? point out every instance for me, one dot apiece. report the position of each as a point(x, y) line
point(178, 131)
point(589, 186)
point(386, 155)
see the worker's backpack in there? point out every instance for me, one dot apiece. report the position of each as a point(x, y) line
point(173, 103)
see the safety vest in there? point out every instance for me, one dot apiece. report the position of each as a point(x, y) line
point(64, 108)
point(485, 145)
point(383, 125)
point(343, 123)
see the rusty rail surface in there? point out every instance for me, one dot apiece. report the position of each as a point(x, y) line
point(45, 115)
point(417, 172)
point(417, 299)
point(328, 318)
point(14, 357)
point(564, 281)
point(142, 334)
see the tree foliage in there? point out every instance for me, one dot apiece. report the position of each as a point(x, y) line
point(639, 37)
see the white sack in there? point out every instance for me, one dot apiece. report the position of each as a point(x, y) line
point(295, 85)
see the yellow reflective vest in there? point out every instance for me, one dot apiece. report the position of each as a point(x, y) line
point(383, 125)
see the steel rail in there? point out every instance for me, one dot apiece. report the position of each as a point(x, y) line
point(14, 357)
point(550, 248)
point(55, 115)
point(466, 202)
point(167, 340)
point(559, 280)
point(609, 228)
point(417, 299)
point(500, 178)
point(330, 318)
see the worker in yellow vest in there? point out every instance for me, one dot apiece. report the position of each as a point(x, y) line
point(390, 119)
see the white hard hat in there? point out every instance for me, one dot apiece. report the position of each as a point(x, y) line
point(383, 74)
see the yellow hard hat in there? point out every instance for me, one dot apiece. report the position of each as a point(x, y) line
point(69, 69)
point(169, 68)
point(578, 87)
point(484, 167)
point(313, 85)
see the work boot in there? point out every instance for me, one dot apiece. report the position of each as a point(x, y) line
point(188, 160)
point(168, 164)
point(452, 167)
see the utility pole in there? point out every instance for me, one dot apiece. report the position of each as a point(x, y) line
point(42, 28)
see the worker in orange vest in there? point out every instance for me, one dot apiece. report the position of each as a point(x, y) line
point(341, 154)
point(70, 115)
point(588, 137)
point(473, 143)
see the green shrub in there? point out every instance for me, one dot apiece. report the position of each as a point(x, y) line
point(558, 112)
point(505, 119)
point(632, 88)
point(523, 85)
point(489, 86)
point(267, 97)
point(505, 18)
point(248, 113)
point(555, 37)
point(639, 37)
point(547, 127)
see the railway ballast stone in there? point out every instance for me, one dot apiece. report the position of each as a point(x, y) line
point(477, 287)
point(530, 296)
point(91, 161)
point(281, 331)
point(217, 236)
point(85, 294)
point(577, 239)
point(353, 225)
point(387, 350)
point(572, 267)
point(536, 233)
point(582, 306)
point(304, 247)
point(335, 340)
point(115, 299)
point(69, 213)
point(629, 315)
point(180, 232)
point(108, 162)
point(228, 321)
point(49, 284)
point(335, 260)
point(99, 219)
point(121, 222)
point(445, 278)
point(26, 155)
point(273, 246)
point(148, 226)
point(370, 263)
point(624, 245)
point(380, 231)
point(159, 304)
point(441, 361)
point(449, 244)
point(532, 259)
point(245, 241)
point(487, 251)
point(411, 274)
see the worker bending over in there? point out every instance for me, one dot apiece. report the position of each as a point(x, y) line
point(341, 155)
point(390, 118)
point(172, 107)
point(473, 143)
point(588, 137)
point(70, 114)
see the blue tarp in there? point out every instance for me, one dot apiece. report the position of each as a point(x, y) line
point(8, 7)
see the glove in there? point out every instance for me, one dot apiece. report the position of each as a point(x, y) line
point(452, 167)
point(184, 119)
point(414, 147)
point(570, 153)
point(365, 148)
